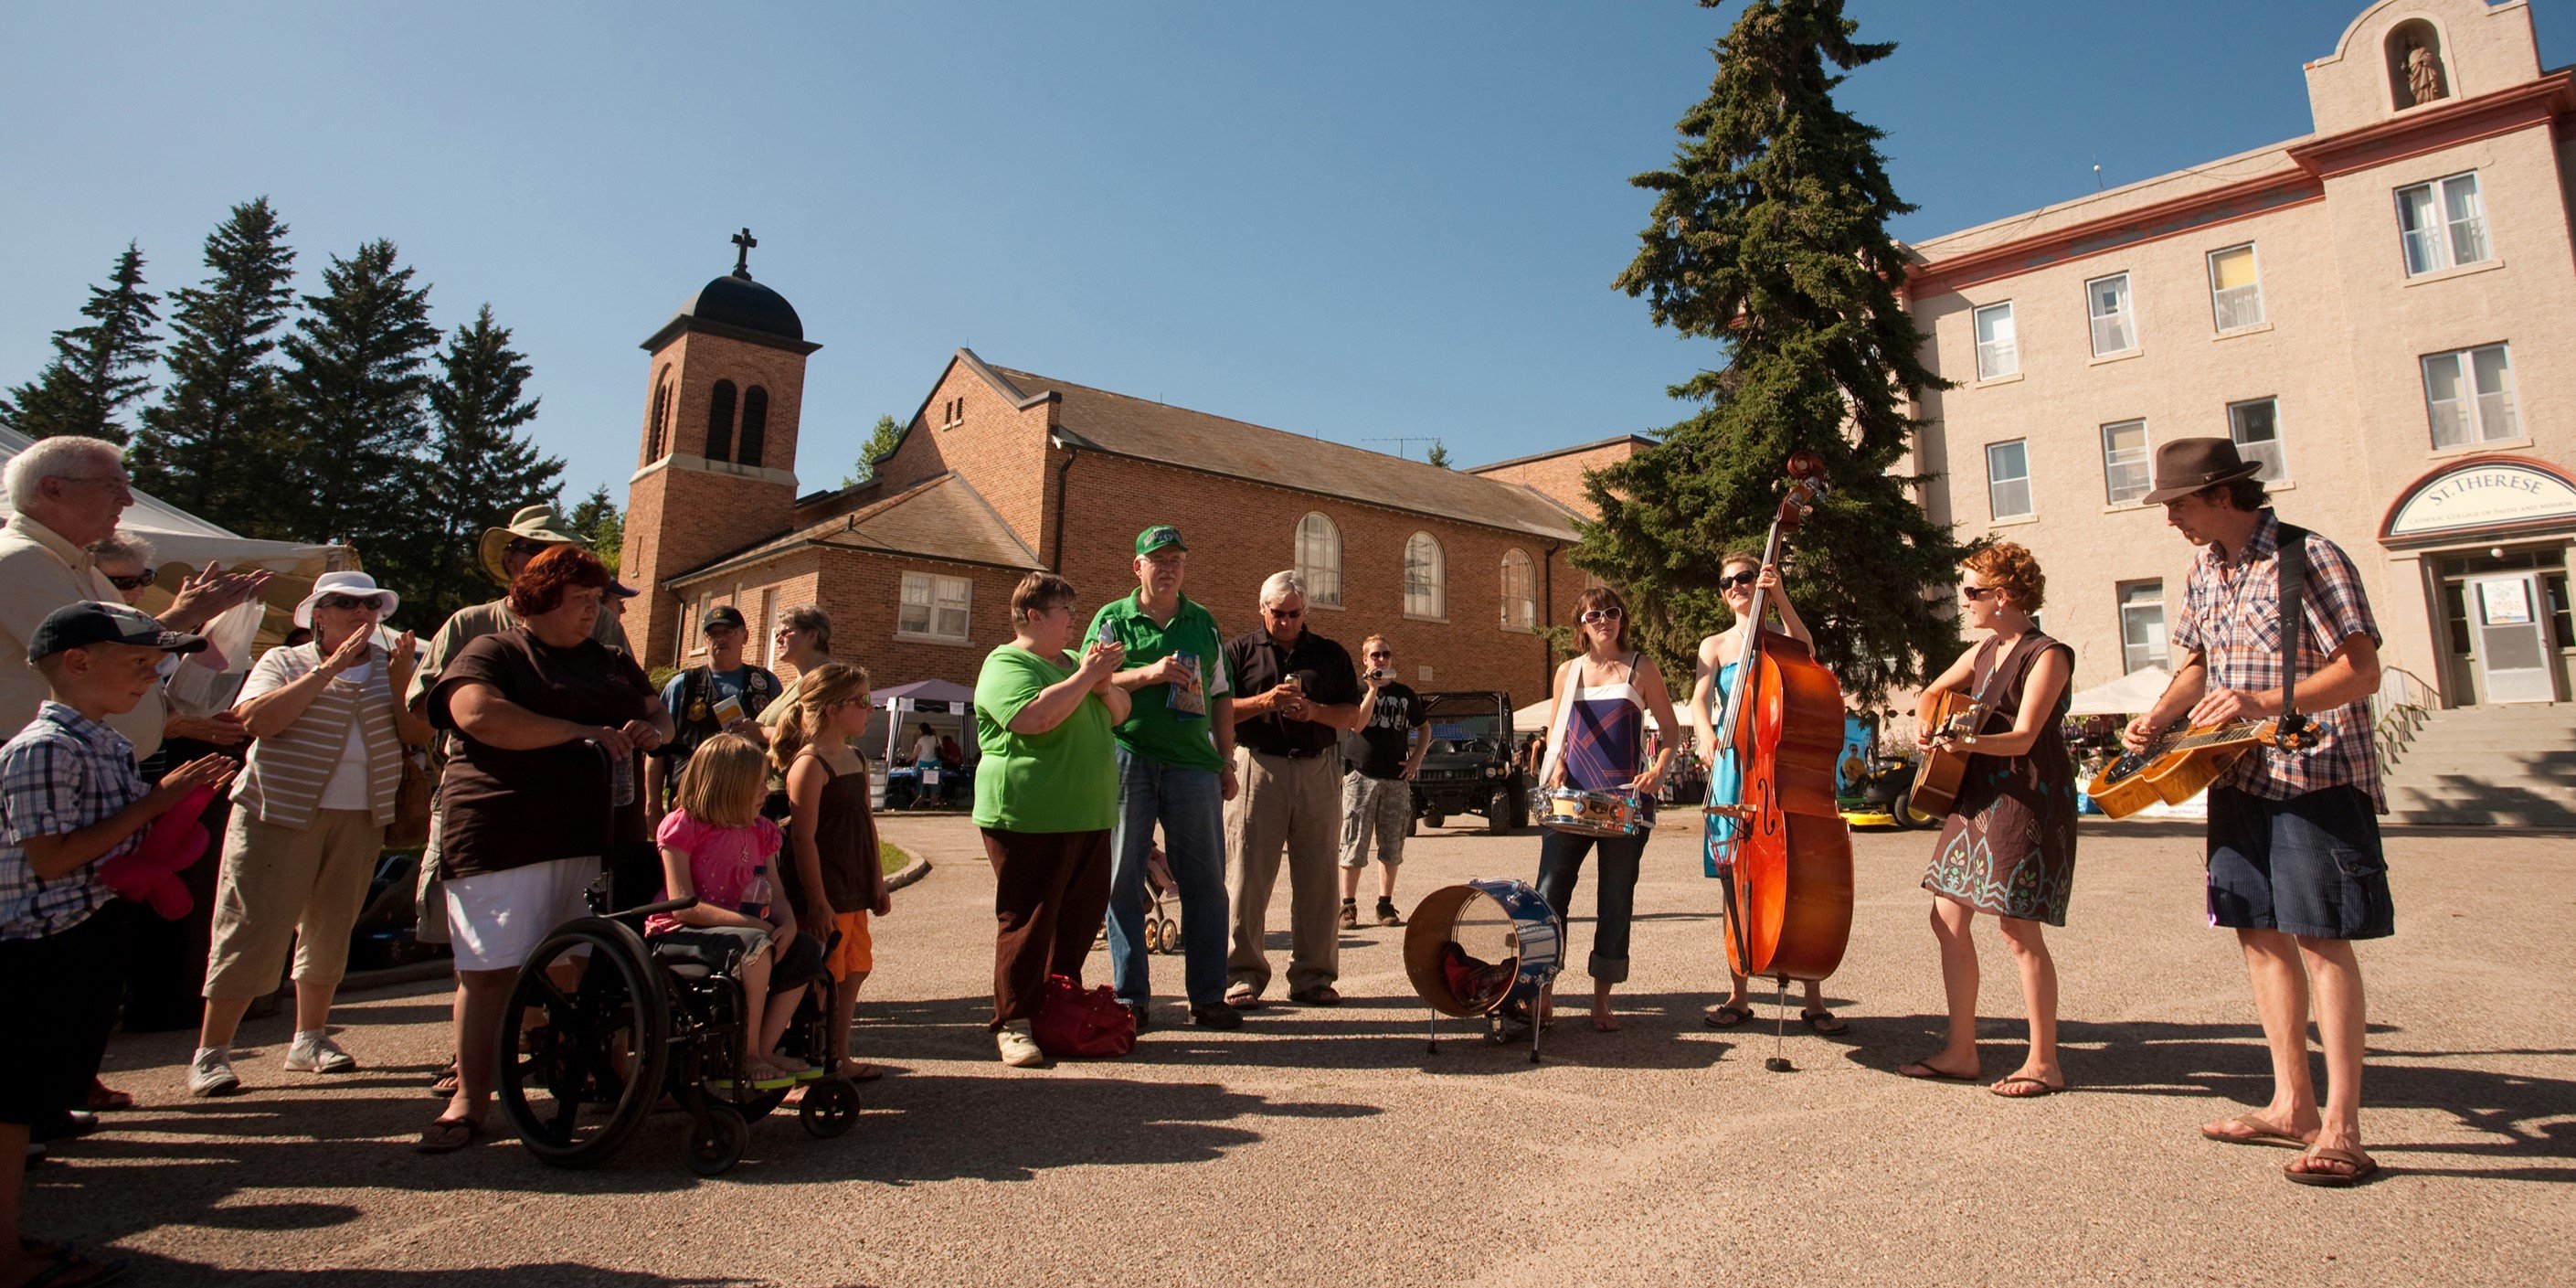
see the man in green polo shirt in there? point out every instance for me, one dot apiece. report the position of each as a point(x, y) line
point(1175, 768)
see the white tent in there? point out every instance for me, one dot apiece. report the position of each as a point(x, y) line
point(2128, 695)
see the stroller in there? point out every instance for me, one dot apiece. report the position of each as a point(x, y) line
point(1162, 934)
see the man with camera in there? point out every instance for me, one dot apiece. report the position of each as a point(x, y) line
point(1377, 791)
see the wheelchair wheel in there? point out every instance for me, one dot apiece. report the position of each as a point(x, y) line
point(715, 1141)
point(831, 1107)
point(590, 1069)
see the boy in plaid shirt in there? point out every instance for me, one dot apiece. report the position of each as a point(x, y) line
point(2294, 858)
point(69, 797)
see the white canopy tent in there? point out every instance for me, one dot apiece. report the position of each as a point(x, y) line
point(2128, 695)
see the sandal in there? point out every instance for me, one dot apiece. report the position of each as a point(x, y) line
point(861, 1071)
point(2042, 1088)
point(1726, 1015)
point(1824, 1022)
point(448, 1135)
point(2256, 1133)
point(2363, 1167)
point(1934, 1075)
point(444, 1086)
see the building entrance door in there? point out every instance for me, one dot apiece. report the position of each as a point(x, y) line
point(2512, 627)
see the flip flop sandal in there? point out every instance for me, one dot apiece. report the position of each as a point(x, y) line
point(1824, 1022)
point(2363, 1168)
point(1727, 1016)
point(448, 1135)
point(2023, 1080)
point(443, 1087)
point(870, 1072)
point(2255, 1134)
point(1931, 1074)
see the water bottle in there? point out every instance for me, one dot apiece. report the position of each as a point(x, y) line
point(621, 781)
point(755, 893)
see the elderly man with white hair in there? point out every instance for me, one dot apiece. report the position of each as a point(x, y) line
point(65, 494)
point(1296, 693)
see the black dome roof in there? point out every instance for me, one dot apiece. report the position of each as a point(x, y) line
point(737, 301)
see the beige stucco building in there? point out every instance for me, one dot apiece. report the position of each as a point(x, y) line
point(2384, 310)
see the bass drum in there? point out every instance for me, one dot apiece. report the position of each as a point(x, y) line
point(1472, 949)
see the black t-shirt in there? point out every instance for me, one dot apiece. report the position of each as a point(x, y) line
point(1399, 711)
point(501, 809)
point(1257, 664)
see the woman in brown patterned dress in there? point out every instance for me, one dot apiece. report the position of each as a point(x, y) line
point(2008, 846)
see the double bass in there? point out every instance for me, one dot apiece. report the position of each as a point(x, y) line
point(1774, 835)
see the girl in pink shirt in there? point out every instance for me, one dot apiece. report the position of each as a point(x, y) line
point(717, 848)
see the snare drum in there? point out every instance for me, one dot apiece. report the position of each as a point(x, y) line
point(1487, 927)
point(1592, 813)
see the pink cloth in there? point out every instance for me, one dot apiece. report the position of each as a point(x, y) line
point(721, 860)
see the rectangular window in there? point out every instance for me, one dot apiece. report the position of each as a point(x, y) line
point(2468, 396)
point(2008, 479)
point(2442, 224)
point(2256, 428)
point(2235, 288)
point(1996, 353)
point(2142, 624)
point(2114, 329)
point(2124, 461)
point(935, 607)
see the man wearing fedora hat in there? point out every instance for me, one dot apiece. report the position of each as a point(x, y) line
point(2294, 863)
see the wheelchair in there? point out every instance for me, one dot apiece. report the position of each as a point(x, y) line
point(601, 1056)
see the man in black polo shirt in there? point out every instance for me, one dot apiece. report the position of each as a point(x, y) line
point(1295, 694)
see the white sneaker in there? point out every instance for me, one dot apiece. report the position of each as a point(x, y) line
point(211, 1073)
point(1019, 1048)
point(317, 1053)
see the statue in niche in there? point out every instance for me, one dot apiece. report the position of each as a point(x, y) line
point(2423, 72)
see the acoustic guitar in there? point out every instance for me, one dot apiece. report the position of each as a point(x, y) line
point(1944, 770)
point(2181, 764)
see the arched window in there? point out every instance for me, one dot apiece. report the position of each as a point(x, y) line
point(1423, 579)
point(657, 426)
point(1520, 592)
point(1319, 560)
point(2416, 72)
point(720, 422)
point(755, 425)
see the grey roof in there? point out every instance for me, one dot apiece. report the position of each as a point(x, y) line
point(942, 517)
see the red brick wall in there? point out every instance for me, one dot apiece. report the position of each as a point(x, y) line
point(1561, 476)
point(996, 446)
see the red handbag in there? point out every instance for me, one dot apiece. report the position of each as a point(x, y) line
point(1072, 1022)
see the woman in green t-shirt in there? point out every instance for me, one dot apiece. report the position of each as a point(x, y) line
point(1045, 797)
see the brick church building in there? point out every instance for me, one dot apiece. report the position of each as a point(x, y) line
point(1002, 471)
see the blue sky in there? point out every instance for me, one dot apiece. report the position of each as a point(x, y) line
point(1367, 221)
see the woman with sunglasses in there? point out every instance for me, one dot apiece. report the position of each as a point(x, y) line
point(1596, 742)
point(1738, 576)
point(2008, 845)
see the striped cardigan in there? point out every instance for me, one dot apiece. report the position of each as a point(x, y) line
point(282, 782)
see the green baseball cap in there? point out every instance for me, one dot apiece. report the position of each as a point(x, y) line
point(1158, 537)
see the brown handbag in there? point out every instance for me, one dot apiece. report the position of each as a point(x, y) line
point(413, 800)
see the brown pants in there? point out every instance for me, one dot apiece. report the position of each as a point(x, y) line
point(1295, 805)
point(1050, 891)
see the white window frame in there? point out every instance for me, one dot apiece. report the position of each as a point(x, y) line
point(1998, 358)
point(2245, 310)
point(2137, 657)
point(1319, 559)
point(1425, 579)
point(2439, 245)
point(2483, 415)
point(2276, 460)
point(2126, 316)
point(2127, 473)
point(2029, 506)
point(931, 604)
point(1523, 597)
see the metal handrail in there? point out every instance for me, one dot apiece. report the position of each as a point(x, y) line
point(2399, 710)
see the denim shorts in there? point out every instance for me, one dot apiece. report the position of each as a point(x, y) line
point(2309, 865)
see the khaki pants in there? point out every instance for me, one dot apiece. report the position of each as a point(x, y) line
point(1296, 804)
point(283, 885)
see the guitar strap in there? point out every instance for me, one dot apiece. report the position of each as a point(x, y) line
point(2291, 559)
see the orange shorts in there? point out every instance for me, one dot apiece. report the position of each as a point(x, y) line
point(856, 954)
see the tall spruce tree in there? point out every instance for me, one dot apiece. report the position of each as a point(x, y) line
point(98, 370)
point(1769, 236)
point(881, 444)
point(357, 384)
point(481, 467)
point(216, 443)
point(598, 521)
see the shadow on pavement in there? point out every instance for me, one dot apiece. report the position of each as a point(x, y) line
point(164, 1270)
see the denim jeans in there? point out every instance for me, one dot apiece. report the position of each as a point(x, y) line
point(1190, 804)
point(1560, 868)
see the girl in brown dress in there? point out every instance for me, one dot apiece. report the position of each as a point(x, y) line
point(2008, 845)
point(838, 881)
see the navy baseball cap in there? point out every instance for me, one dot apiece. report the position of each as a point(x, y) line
point(89, 622)
point(723, 615)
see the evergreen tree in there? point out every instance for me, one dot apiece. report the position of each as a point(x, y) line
point(1438, 455)
point(216, 443)
point(598, 521)
point(97, 369)
point(481, 467)
point(357, 384)
point(881, 443)
point(1769, 236)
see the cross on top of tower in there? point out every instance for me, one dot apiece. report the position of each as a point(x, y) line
point(743, 242)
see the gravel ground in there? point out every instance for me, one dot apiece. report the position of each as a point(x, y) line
point(1326, 1146)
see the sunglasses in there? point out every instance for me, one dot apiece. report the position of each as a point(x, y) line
point(344, 601)
point(136, 582)
point(1741, 580)
point(1601, 615)
point(525, 546)
point(1378, 655)
point(1975, 592)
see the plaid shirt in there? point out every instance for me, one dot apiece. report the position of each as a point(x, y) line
point(2232, 617)
point(63, 772)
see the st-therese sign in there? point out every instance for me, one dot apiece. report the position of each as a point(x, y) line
point(2480, 496)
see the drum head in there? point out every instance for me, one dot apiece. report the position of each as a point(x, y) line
point(1461, 951)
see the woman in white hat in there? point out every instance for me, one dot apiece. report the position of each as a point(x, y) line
point(308, 820)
